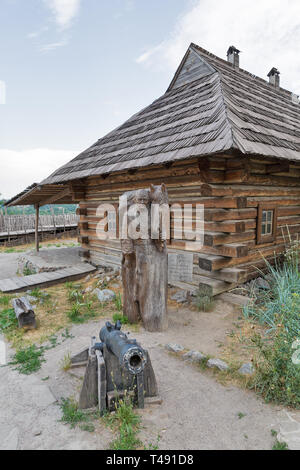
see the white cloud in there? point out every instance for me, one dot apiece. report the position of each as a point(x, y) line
point(19, 169)
point(64, 11)
point(268, 34)
point(52, 46)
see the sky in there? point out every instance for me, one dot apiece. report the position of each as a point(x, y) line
point(73, 70)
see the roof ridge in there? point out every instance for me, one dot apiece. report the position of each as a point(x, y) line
point(239, 70)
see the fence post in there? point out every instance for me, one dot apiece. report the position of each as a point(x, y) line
point(37, 242)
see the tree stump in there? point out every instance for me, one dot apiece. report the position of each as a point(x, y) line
point(145, 267)
point(24, 313)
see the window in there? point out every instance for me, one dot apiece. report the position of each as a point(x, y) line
point(266, 223)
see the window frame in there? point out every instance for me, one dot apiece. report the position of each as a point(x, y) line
point(271, 237)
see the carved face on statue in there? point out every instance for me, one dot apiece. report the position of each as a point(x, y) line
point(159, 194)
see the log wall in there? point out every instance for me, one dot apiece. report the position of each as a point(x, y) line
point(231, 189)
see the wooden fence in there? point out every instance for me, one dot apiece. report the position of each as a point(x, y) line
point(14, 224)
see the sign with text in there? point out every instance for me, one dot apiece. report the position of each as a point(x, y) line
point(180, 267)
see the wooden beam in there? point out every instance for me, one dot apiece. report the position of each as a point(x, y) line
point(56, 197)
point(37, 242)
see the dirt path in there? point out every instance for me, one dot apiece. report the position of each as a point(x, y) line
point(197, 412)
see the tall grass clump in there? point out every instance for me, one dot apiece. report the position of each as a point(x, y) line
point(277, 377)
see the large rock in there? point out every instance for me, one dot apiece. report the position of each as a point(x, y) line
point(246, 369)
point(105, 295)
point(174, 347)
point(261, 283)
point(194, 356)
point(218, 364)
point(180, 297)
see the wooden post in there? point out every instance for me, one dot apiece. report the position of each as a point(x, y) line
point(145, 268)
point(37, 242)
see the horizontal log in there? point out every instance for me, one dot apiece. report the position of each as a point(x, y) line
point(209, 190)
point(236, 176)
point(211, 287)
point(280, 167)
point(232, 250)
point(215, 238)
point(231, 275)
point(229, 214)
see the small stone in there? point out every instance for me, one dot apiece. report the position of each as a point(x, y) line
point(37, 433)
point(221, 365)
point(193, 356)
point(105, 295)
point(246, 369)
point(174, 347)
point(87, 278)
point(261, 283)
point(180, 297)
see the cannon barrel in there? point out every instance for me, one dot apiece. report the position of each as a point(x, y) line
point(130, 354)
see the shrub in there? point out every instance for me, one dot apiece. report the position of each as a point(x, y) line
point(277, 378)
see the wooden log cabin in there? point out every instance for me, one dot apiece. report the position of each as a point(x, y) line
point(219, 136)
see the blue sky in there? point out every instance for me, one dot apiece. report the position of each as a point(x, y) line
point(75, 69)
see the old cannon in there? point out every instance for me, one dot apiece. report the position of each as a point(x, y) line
point(117, 367)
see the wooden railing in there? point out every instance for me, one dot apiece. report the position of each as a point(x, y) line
point(26, 223)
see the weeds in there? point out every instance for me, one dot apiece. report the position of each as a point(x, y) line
point(28, 360)
point(66, 362)
point(4, 300)
point(280, 446)
point(8, 320)
point(118, 302)
point(204, 303)
point(71, 414)
point(127, 423)
point(120, 317)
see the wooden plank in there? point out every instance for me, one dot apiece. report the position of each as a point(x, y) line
point(45, 279)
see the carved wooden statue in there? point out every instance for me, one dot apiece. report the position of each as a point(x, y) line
point(145, 266)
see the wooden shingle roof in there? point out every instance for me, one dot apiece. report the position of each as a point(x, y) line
point(210, 107)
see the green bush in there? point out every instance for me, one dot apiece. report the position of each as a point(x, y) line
point(277, 378)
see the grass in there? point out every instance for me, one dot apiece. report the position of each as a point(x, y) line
point(204, 303)
point(8, 320)
point(277, 377)
point(118, 302)
point(71, 413)
point(280, 446)
point(66, 363)
point(120, 317)
point(127, 423)
point(4, 300)
point(28, 360)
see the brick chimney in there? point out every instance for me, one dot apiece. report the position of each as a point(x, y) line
point(274, 78)
point(233, 56)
